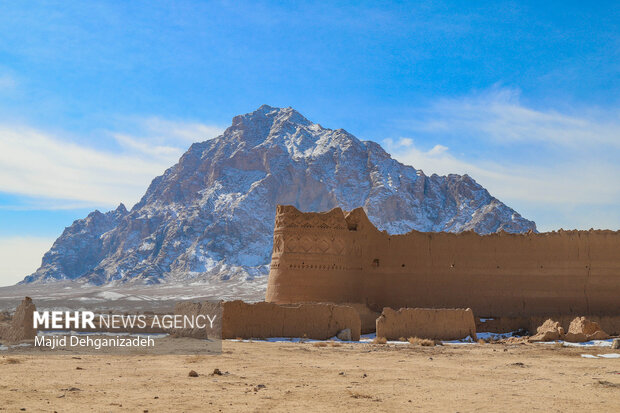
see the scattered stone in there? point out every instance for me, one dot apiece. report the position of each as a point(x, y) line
point(79, 368)
point(616, 343)
point(549, 331)
point(259, 386)
point(341, 373)
point(581, 329)
point(216, 372)
point(192, 373)
point(344, 335)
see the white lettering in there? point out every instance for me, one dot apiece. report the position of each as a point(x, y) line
point(87, 319)
point(72, 319)
point(41, 318)
point(57, 320)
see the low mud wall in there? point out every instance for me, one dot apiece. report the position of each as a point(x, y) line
point(264, 320)
point(433, 323)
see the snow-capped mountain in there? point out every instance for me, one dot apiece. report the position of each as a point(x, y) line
point(211, 215)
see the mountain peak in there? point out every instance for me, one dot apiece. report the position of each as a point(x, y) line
point(271, 115)
point(211, 216)
point(284, 126)
point(265, 108)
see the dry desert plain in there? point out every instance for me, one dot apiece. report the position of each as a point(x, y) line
point(285, 377)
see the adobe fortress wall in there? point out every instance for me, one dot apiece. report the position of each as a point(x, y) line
point(341, 257)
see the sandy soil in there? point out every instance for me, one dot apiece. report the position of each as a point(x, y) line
point(283, 377)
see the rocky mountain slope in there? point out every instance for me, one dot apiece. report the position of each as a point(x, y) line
point(211, 215)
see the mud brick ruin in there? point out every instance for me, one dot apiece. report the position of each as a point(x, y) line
point(334, 272)
point(340, 257)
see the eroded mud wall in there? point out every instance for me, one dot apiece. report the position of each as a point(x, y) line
point(264, 320)
point(20, 328)
point(261, 320)
point(439, 324)
point(338, 257)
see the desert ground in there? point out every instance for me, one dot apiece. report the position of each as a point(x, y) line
point(285, 377)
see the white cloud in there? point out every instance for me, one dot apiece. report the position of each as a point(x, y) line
point(438, 150)
point(573, 171)
point(162, 138)
point(576, 182)
point(499, 115)
point(20, 256)
point(131, 144)
point(188, 132)
point(39, 164)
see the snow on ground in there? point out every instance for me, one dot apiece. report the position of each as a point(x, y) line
point(364, 339)
point(593, 343)
point(605, 356)
point(368, 339)
point(110, 295)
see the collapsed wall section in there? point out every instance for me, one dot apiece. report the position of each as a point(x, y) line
point(610, 324)
point(432, 323)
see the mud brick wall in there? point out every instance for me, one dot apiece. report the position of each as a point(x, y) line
point(433, 323)
point(341, 257)
point(264, 320)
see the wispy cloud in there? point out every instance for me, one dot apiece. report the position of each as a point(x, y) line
point(539, 161)
point(163, 139)
point(578, 182)
point(47, 166)
point(20, 256)
point(188, 132)
point(498, 115)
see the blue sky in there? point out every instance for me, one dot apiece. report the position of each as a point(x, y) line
point(97, 99)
